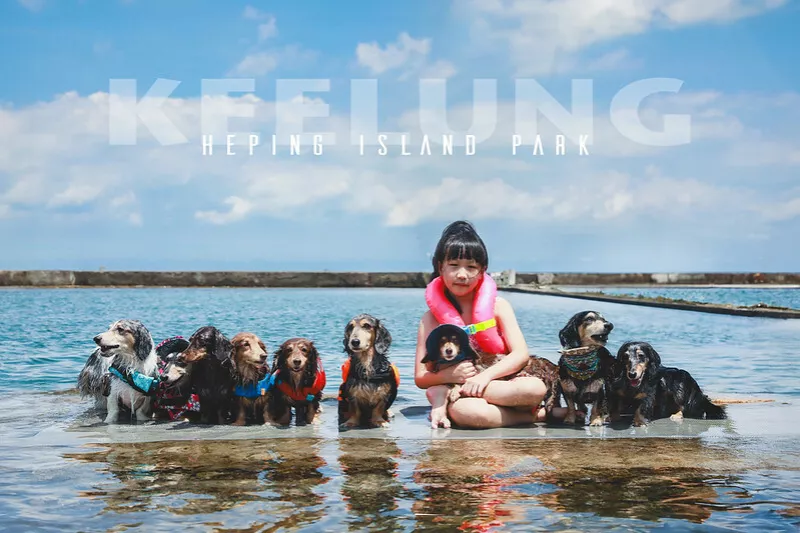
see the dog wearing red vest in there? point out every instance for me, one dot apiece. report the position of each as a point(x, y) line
point(369, 379)
point(299, 380)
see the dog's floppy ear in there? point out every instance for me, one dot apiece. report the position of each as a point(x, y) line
point(569, 334)
point(348, 329)
point(383, 339)
point(311, 365)
point(143, 343)
point(654, 360)
point(222, 349)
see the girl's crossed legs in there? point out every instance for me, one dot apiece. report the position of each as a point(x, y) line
point(504, 404)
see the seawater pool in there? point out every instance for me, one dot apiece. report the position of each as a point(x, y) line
point(773, 296)
point(62, 469)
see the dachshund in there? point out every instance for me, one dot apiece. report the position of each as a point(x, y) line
point(446, 345)
point(175, 398)
point(133, 369)
point(299, 380)
point(655, 391)
point(252, 378)
point(209, 354)
point(369, 380)
point(585, 366)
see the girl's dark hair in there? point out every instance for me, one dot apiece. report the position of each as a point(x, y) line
point(459, 240)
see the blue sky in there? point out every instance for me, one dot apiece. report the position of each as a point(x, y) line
point(728, 200)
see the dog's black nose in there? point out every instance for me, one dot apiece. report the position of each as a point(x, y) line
point(355, 343)
point(264, 358)
point(609, 326)
point(97, 340)
point(449, 351)
point(163, 377)
point(632, 375)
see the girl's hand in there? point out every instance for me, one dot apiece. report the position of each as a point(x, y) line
point(461, 372)
point(475, 386)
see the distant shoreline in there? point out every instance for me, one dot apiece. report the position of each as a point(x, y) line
point(322, 279)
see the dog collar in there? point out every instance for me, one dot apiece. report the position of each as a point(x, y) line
point(254, 390)
point(472, 329)
point(581, 363)
point(145, 384)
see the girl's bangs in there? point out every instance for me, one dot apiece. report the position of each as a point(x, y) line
point(466, 250)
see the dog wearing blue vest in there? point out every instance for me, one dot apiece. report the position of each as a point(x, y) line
point(253, 379)
point(133, 372)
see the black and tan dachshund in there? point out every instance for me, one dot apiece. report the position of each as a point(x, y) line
point(586, 366)
point(369, 379)
point(654, 391)
point(209, 353)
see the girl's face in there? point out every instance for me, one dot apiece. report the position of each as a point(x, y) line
point(460, 276)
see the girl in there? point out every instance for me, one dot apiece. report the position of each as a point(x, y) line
point(461, 260)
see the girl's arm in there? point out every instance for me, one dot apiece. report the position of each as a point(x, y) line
point(423, 377)
point(516, 359)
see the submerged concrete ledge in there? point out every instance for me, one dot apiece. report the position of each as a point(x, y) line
point(90, 278)
point(683, 305)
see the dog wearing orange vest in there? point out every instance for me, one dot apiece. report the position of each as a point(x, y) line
point(299, 381)
point(369, 379)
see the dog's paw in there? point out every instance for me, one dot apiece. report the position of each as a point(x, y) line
point(379, 423)
point(569, 419)
point(639, 421)
point(677, 417)
point(238, 423)
point(596, 421)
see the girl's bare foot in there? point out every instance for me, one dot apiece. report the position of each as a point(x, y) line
point(439, 418)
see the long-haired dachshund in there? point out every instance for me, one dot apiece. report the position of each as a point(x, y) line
point(369, 379)
point(209, 353)
point(655, 391)
point(252, 378)
point(175, 399)
point(446, 345)
point(299, 381)
point(585, 365)
point(133, 379)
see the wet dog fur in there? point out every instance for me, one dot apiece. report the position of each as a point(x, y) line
point(209, 354)
point(250, 366)
point(368, 393)
point(654, 391)
point(297, 362)
point(128, 346)
point(586, 330)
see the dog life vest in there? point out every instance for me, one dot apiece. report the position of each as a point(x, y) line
point(306, 394)
point(145, 384)
point(254, 390)
point(378, 377)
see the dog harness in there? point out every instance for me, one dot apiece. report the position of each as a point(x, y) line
point(306, 394)
point(581, 363)
point(254, 390)
point(143, 383)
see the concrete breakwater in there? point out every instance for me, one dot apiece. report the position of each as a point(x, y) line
point(87, 278)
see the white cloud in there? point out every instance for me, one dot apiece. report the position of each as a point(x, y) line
point(32, 5)
point(395, 55)
point(267, 30)
point(546, 36)
point(252, 13)
point(256, 64)
point(239, 210)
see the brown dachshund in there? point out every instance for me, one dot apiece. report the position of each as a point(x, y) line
point(300, 379)
point(251, 369)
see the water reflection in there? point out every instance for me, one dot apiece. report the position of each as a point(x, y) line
point(468, 485)
point(371, 487)
point(206, 477)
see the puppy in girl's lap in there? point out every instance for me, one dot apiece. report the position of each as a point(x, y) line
point(447, 345)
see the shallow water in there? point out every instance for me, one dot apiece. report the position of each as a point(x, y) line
point(64, 470)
